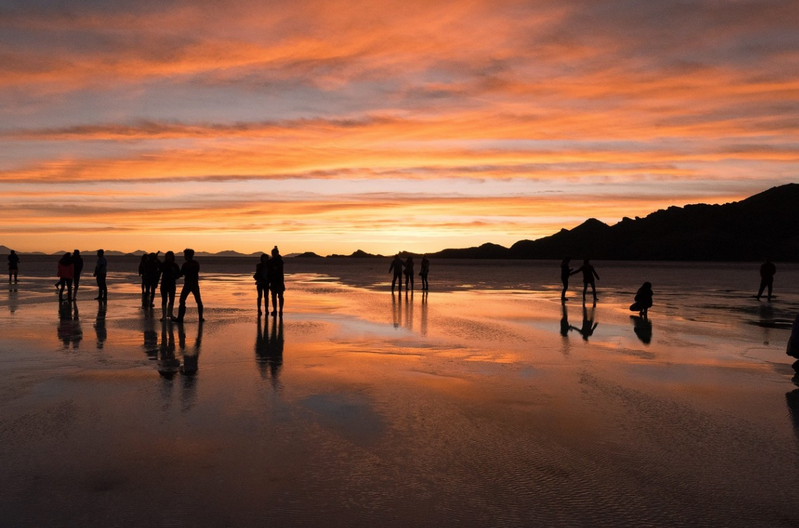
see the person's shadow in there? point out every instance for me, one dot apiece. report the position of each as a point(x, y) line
point(168, 364)
point(792, 399)
point(396, 310)
point(642, 328)
point(191, 365)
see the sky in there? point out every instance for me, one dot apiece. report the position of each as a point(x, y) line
point(331, 126)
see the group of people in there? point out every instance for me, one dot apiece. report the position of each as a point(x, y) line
point(70, 268)
point(643, 297)
point(400, 268)
point(153, 271)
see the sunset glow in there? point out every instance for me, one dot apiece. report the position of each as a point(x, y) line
point(335, 126)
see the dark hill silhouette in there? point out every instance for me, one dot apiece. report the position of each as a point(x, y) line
point(764, 225)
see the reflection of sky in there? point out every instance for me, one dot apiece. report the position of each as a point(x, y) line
point(487, 121)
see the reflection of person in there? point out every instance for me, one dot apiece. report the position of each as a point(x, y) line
point(564, 321)
point(269, 350)
point(565, 272)
point(277, 283)
point(261, 277)
point(99, 326)
point(69, 330)
point(13, 266)
point(408, 273)
point(589, 273)
point(191, 285)
point(77, 264)
point(170, 273)
point(100, 271)
point(66, 272)
point(168, 365)
point(642, 328)
point(396, 267)
point(587, 330)
point(767, 271)
point(424, 270)
point(643, 300)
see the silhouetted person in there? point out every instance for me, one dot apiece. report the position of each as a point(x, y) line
point(424, 270)
point(142, 276)
point(261, 277)
point(565, 272)
point(408, 273)
point(587, 330)
point(152, 274)
point(277, 283)
point(396, 267)
point(170, 273)
point(13, 267)
point(66, 272)
point(191, 284)
point(643, 300)
point(767, 271)
point(100, 271)
point(793, 344)
point(589, 274)
point(77, 263)
point(99, 326)
point(642, 328)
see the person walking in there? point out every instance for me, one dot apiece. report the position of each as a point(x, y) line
point(77, 263)
point(13, 267)
point(100, 271)
point(589, 275)
point(277, 283)
point(191, 285)
point(66, 272)
point(152, 275)
point(261, 277)
point(170, 273)
point(424, 270)
point(767, 272)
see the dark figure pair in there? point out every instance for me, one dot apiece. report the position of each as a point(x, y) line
point(276, 282)
point(767, 272)
point(399, 268)
point(66, 275)
point(13, 267)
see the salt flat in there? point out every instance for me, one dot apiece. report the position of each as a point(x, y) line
point(467, 406)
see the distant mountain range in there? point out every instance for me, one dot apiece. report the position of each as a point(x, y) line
point(764, 225)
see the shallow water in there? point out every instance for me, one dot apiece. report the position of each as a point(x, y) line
point(462, 407)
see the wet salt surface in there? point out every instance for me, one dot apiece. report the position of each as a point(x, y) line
point(454, 408)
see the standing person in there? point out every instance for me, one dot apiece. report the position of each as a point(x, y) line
point(424, 269)
point(100, 271)
point(767, 271)
point(66, 272)
point(191, 284)
point(152, 273)
point(565, 272)
point(261, 277)
point(170, 273)
point(13, 266)
point(277, 283)
point(143, 278)
point(396, 267)
point(408, 273)
point(589, 273)
point(77, 263)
